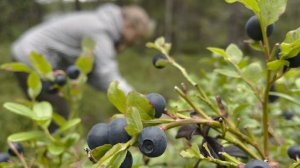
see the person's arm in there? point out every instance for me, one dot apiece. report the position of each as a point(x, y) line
point(105, 68)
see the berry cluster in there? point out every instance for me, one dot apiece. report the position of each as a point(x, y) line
point(253, 30)
point(4, 157)
point(112, 133)
point(103, 133)
point(60, 79)
point(152, 141)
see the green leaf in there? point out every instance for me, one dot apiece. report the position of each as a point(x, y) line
point(227, 72)
point(85, 63)
point(43, 111)
point(16, 67)
point(235, 55)
point(285, 96)
point(118, 159)
point(290, 47)
point(246, 122)
point(167, 47)
point(56, 148)
point(71, 139)
point(109, 155)
point(41, 65)
point(69, 124)
point(277, 64)
point(19, 109)
point(192, 152)
point(151, 45)
point(218, 51)
point(58, 119)
point(250, 4)
point(255, 45)
point(26, 136)
point(270, 10)
point(100, 151)
point(161, 62)
point(159, 42)
point(134, 121)
point(34, 85)
point(117, 97)
point(88, 44)
point(142, 104)
point(252, 72)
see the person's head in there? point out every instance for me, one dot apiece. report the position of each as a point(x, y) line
point(135, 24)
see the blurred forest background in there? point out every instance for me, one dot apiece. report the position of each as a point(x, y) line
point(191, 26)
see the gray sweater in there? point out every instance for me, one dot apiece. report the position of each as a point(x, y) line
point(59, 40)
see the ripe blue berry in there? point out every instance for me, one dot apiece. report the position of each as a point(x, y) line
point(294, 152)
point(257, 164)
point(253, 29)
point(158, 102)
point(60, 80)
point(117, 132)
point(288, 115)
point(294, 61)
point(49, 87)
point(159, 61)
point(127, 163)
point(98, 135)
point(4, 157)
point(18, 147)
point(73, 72)
point(152, 141)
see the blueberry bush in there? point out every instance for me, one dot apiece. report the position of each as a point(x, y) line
point(49, 146)
point(243, 112)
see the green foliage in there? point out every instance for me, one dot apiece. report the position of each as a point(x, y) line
point(226, 106)
point(290, 45)
point(34, 85)
point(16, 67)
point(117, 97)
point(40, 64)
point(26, 136)
point(85, 61)
point(59, 144)
point(134, 121)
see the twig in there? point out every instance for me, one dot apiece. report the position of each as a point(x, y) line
point(19, 155)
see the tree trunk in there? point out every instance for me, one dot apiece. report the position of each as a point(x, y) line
point(77, 5)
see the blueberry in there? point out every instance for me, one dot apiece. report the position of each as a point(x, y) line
point(98, 135)
point(294, 152)
point(4, 157)
point(60, 80)
point(49, 87)
point(257, 164)
point(288, 115)
point(152, 141)
point(73, 72)
point(18, 147)
point(127, 163)
point(158, 102)
point(253, 29)
point(159, 61)
point(117, 132)
point(294, 61)
point(272, 98)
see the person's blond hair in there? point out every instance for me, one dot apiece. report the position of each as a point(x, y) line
point(137, 18)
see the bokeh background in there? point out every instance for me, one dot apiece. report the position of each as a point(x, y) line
point(191, 26)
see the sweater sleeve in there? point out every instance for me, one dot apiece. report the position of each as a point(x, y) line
point(105, 68)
